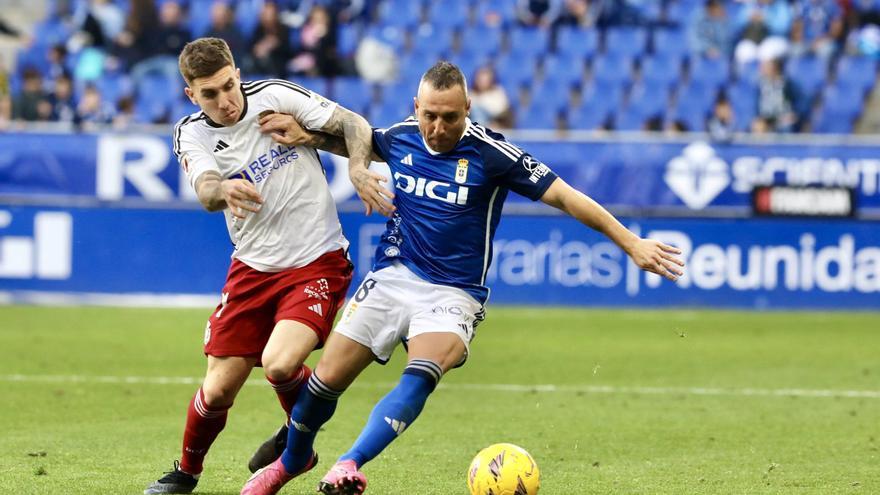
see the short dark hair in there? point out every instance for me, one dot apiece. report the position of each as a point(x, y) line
point(444, 75)
point(203, 57)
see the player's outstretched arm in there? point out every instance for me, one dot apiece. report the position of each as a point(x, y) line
point(647, 254)
point(337, 135)
point(239, 195)
point(359, 141)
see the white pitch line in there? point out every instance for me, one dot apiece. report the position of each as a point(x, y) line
point(487, 387)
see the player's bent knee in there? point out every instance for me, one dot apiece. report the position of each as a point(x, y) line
point(219, 395)
point(279, 371)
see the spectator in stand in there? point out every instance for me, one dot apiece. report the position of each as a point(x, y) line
point(135, 42)
point(100, 22)
point(223, 27)
point(577, 13)
point(125, 115)
point(538, 13)
point(489, 102)
point(722, 122)
point(822, 24)
point(167, 42)
point(61, 99)
point(32, 103)
point(348, 11)
point(5, 98)
point(315, 51)
point(764, 28)
point(58, 66)
point(270, 48)
point(92, 111)
point(8, 30)
point(709, 32)
point(777, 100)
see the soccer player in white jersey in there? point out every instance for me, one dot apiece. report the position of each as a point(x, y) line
point(289, 271)
point(427, 283)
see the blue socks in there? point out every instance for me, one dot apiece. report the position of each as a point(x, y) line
point(314, 407)
point(395, 412)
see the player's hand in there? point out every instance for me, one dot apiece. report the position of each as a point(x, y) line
point(368, 185)
point(656, 257)
point(283, 128)
point(241, 197)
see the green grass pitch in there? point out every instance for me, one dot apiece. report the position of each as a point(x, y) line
point(642, 402)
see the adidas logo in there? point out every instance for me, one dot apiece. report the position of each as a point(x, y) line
point(221, 145)
point(407, 160)
point(317, 309)
point(397, 426)
point(301, 427)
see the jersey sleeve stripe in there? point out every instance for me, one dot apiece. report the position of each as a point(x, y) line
point(256, 88)
point(516, 152)
point(178, 130)
point(493, 143)
point(405, 122)
point(488, 236)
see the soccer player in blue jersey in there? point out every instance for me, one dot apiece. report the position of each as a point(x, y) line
point(427, 286)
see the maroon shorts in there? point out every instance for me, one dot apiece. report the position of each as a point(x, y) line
point(254, 301)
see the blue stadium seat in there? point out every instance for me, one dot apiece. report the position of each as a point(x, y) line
point(393, 36)
point(537, 116)
point(181, 108)
point(247, 16)
point(481, 40)
point(672, 42)
point(530, 42)
point(199, 24)
point(743, 98)
point(809, 73)
point(596, 106)
point(842, 98)
point(661, 69)
point(712, 71)
point(495, 13)
point(612, 68)
point(399, 13)
point(830, 121)
point(51, 32)
point(469, 62)
point(859, 72)
point(316, 84)
point(680, 11)
point(577, 42)
point(431, 41)
point(115, 86)
point(348, 36)
point(650, 99)
point(513, 70)
point(564, 70)
point(691, 113)
point(390, 111)
point(749, 72)
point(449, 14)
point(588, 117)
point(627, 41)
point(155, 88)
point(351, 92)
point(629, 118)
point(551, 93)
point(702, 93)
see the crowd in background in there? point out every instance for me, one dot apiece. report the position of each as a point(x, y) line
point(106, 62)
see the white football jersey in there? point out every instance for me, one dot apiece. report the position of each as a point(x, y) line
point(298, 221)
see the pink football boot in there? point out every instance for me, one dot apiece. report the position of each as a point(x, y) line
point(343, 479)
point(270, 479)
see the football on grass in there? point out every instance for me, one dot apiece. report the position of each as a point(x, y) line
point(503, 469)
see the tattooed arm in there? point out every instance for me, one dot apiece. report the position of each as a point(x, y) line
point(346, 134)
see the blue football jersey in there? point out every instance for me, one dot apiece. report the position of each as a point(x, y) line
point(449, 204)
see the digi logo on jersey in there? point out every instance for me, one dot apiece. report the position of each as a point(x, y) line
point(264, 165)
point(433, 189)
